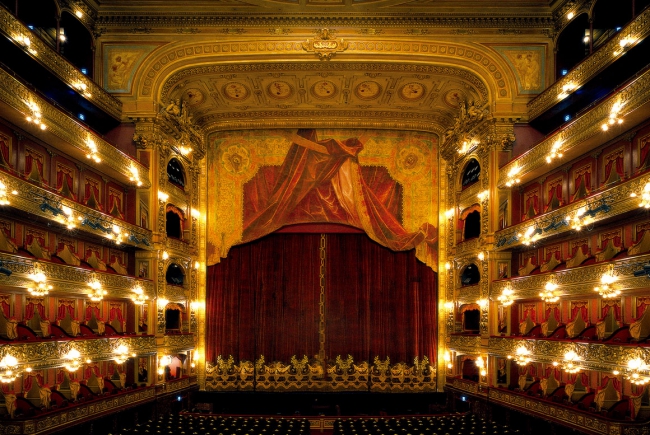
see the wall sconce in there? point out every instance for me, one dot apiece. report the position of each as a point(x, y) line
point(482, 196)
point(72, 360)
point(97, 293)
point(8, 369)
point(135, 176)
point(162, 302)
point(116, 235)
point(549, 294)
point(607, 288)
point(162, 196)
point(40, 287)
point(480, 365)
point(481, 256)
point(165, 255)
point(449, 306)
point(506, 298)
point(447, 358)
point(570, 363)
point(195, 213)
point(467, 145)
point(521, 356)
point(4, 197)
point(483, 303)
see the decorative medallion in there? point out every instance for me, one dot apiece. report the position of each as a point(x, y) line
point(410, 161)
point(324, 89)
point(235, 91)
point(453, 98)
point(326, 46)
point(194, 96)
point(279, 90)
point(236, 159)
point(412, 91)
point(368, 90)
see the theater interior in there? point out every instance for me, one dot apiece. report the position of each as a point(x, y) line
point(324, 217)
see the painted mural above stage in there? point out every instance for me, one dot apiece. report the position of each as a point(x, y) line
point(383, 182)
point(121, 63)
point(528, 63)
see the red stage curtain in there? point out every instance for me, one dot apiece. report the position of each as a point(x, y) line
point(264, 300)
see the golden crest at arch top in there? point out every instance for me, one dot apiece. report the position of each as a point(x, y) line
point(326, 45)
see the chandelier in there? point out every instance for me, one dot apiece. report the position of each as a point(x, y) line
point(122, 354)
point(96, 291)
point(637, 371)
point(40, 286)
point(8, 369)
point(72, 360)
point(570, 363)
point(506, 298)
point(138, 297)
point(645, 196)
point(4, 197)
point(549, 294)
point(607, 289)
point(521, 356)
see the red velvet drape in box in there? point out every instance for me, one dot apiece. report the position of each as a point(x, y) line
point(263, 299)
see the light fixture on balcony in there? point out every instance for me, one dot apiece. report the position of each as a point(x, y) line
point(447, 358)
point(483, 195)
point(613, 116)
point(637, 370)
point(549, 295)
point(93, 152)
point(567, 88)
point(116, 235)
point(555, 152)
point(36, 117)
point(644, 195)
point(40, 287)
point(25, 43)
point(607, 288)
point(97, 292)
point(68, 218)
point(467, 145)
point(521, 356)
point(513, 179)
point(162, 196)
point(121, 354)
point(135, 176)
point(506, 298)
point(530, 236)
point(72, 360)
point(138, 297)
point(570, 363)
point(8, 369)
point(4, 193)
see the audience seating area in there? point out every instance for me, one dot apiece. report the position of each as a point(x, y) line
point(186, 424)
point(438, 425)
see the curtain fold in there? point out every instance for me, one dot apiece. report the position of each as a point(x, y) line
point(265, 300)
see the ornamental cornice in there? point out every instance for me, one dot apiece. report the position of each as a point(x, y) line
point(70, 279)
point(42, 202)
point(49, 354)
point(19, 97)
point(636, 30)
point(612, 202)
point(233, 20)
point(634, 95)
point(593, 356)
point(465, 344)
point(577, 281)
point(57, 64)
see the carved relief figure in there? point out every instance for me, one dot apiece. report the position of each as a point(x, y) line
point(528, 66)
point(119, 69)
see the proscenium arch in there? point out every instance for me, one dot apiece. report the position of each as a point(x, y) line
point(169, 59)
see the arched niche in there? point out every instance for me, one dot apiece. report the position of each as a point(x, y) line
point(175, 173)
point(470, 275)
point(174, 222)
point(471, 222)
point(470, 315)
point(471, 173)
point(571, 45)
point(175, 275)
